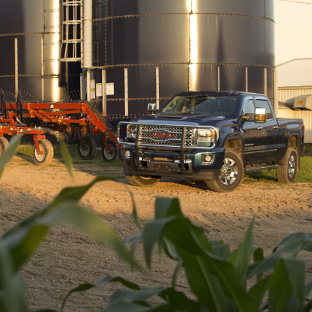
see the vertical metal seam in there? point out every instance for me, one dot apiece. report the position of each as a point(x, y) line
point(16, 66)
point(105, 34)
point(42, 68)
point(264, 32)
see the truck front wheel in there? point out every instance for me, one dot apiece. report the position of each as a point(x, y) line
point(142, 180)
point(231, 173)
point(287, 171)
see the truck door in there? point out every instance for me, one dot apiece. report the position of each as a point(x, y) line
point(270, 132)
point(253, 135)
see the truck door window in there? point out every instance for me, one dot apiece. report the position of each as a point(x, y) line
point(265, 104)
point(249, 107)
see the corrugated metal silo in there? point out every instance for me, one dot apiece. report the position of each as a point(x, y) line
point(36, 25)
point(195, 44)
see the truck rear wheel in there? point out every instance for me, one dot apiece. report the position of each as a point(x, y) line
point(46, 158)
point(88, 150)
point(142, 180)
point(231, 174)
point(3, 144)
point(287, 171)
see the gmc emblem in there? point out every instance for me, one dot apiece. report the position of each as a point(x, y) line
point(165, 135)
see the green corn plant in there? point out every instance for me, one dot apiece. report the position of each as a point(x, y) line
point(20, 242)
point(216, 275)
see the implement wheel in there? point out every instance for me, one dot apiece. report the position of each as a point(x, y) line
point(87, 148)
point(3, 144)
point(109, 155)
point(47, 148)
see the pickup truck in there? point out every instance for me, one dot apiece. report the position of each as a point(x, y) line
point(211, 136)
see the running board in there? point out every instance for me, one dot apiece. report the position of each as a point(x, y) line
point(257, 168)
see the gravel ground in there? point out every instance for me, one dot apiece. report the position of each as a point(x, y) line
point(68, 258)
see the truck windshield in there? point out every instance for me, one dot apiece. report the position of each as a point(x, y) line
point(202, 105)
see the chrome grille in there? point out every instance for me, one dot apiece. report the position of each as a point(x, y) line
point(165, 135)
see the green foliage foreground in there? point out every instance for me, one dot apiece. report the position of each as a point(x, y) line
point(216, 276)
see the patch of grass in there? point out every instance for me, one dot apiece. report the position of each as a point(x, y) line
point(269, 176)
point(308, 151)
point(73, 150)
point(25, 150)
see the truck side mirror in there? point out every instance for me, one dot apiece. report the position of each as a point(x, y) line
point(151, 108)
point(260, 115)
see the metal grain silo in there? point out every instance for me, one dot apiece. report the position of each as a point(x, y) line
point(167, 46)
point(35, 27)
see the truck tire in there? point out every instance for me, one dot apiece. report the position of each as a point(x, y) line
point(90, 151)
point(46, 158)
point(109, 156)
point(3, 144)
point(287, 171)
point(142, 180)
point(231, 173)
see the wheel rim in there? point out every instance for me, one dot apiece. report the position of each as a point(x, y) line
point(40, 157)
point(85, 152)
point(108, 155)
point(229, 172)
point(291, 166)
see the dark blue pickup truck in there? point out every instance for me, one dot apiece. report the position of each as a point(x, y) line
point(211, 136)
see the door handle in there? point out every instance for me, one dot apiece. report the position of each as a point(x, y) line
point(260, 128)
point(275, 127)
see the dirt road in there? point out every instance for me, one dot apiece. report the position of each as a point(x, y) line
point(68, 258)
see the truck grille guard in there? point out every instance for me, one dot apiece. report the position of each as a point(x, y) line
point(165, 137)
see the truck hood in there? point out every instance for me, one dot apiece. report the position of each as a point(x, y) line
point(181, 119)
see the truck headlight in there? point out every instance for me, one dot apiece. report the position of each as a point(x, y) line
point(131, 131)
point(206, 136)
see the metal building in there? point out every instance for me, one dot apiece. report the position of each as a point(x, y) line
point(294, 82)
point(131, 52)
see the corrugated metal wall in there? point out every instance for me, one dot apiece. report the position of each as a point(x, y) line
point(288, 93)
point(285, 94)
point(303, 114)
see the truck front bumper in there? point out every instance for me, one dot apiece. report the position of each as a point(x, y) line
point(197, 164)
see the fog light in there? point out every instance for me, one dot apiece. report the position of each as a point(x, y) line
point(127, 154)
point(207, 159)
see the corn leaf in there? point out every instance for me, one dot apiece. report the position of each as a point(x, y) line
point(241, 256)
point(258, 291)
point(291, 245)
point(280, 288)
point(9, 152)
point(67, 159)
point(107, 279)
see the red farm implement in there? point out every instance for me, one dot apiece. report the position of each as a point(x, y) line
point(73, 119)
